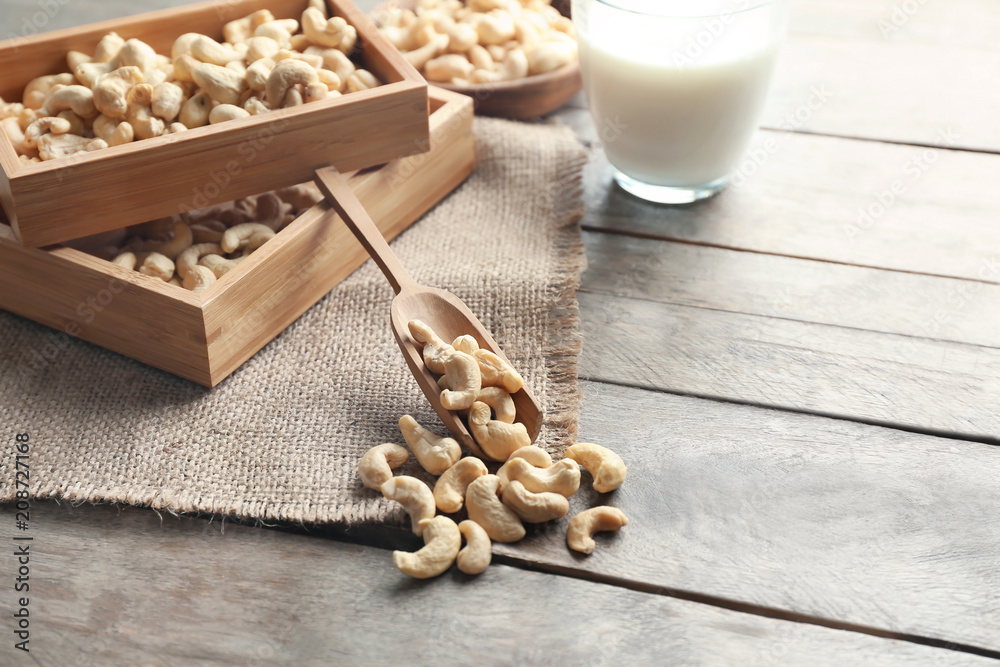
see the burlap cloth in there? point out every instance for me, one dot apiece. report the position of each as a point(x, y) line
point(280, 438)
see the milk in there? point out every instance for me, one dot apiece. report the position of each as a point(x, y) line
point(677, 109)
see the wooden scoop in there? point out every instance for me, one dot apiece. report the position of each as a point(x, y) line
point(442, 311)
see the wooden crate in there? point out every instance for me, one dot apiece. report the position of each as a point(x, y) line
point(158, 177)
point(206, 336)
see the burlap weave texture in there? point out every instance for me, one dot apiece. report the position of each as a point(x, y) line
point(280, 439)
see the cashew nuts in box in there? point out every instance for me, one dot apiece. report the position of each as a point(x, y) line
point(481, 42)
point(127, 92)
point(580, 535)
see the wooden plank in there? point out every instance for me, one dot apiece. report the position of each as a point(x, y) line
point(822, 198)
point(912, 383)
point(125, 588)
point(822, 517)
point(683, 274)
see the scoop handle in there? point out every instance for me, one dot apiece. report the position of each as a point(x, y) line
point(342, 199)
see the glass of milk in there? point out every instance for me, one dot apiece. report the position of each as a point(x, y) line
point(677, 87)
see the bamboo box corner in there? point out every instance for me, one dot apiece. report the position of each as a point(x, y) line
point(206, 336)
point(69, 198)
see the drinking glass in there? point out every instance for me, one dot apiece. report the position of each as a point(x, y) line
point(677, 87)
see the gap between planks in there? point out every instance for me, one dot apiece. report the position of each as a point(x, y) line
point(389, 538)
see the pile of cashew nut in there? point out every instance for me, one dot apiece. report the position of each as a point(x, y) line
point(126, 91)
point(196, 249)
point(528, 488)
point(481, 41)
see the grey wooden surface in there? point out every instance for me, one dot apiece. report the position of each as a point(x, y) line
point(806, 398)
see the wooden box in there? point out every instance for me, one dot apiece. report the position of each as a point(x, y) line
point(206, 336)
point(59, 200)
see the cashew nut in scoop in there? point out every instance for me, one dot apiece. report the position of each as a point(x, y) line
point(496, 372)
point(435, 350)
point(536, 456)
point(534, 507)
point(464, 381)
point(562, 477)
point(236, 236)
point(180, 241)
point(434, 453)
point(500, 402)
point(286, 74)
point(449, 491)
point(477, 553)
point(376, 465)
point(485, 508)
point(415, 497)
point(442, 541)
point(497, 439)
point(606, 467)
point(580, 535)
point(466, 343)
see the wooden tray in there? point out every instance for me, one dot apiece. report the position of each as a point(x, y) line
point(158, 177)
point(206, 336)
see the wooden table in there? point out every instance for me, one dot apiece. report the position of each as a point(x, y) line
point(802, 374)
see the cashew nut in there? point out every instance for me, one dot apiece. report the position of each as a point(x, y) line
point(534, 507)
point(464, 381)
point(242, 29)
point(221, 84)
point(415, 497)
point(180, 240)
point(38, 89)
point(286, 74)
point(485, 508)
point(442, 541)
point(188, 259)
point(196, 111)
point(435, 350)
point(322, 31)
point(76, 124)
point(157, 266)
point(376, 465)
point(420, 57)
point(219, 265)
point(497, 372)
point(447, 67)
point(335, 61)
point(500, 402)
point(207, 50)
point(198, 279)
point(226, 112)
point(549, 56)
point(110, 90)
point(606, 467)
point(275, 31)
point(465, 343)
point(43, 125)
point(78, 99)
point(136, 53)
point(301, 197)
point(536, 456)
point(435, 454)
point(449, 491)
point(238, 236)
point(168, 98)
point(477, 553)
point(580, 534)
point(140, 113)
point(497, 439)
point(126, 259)
point(55, 146)
point(562, 477)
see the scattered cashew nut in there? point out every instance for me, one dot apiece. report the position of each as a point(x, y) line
point(485, 508)
point(477, 553)
point(442, 541)
point(606, 467)
point(434, 453)
point(415, 497)
point(376, 466)
point(534, 507)
point(449, 491)
point(580, 535)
